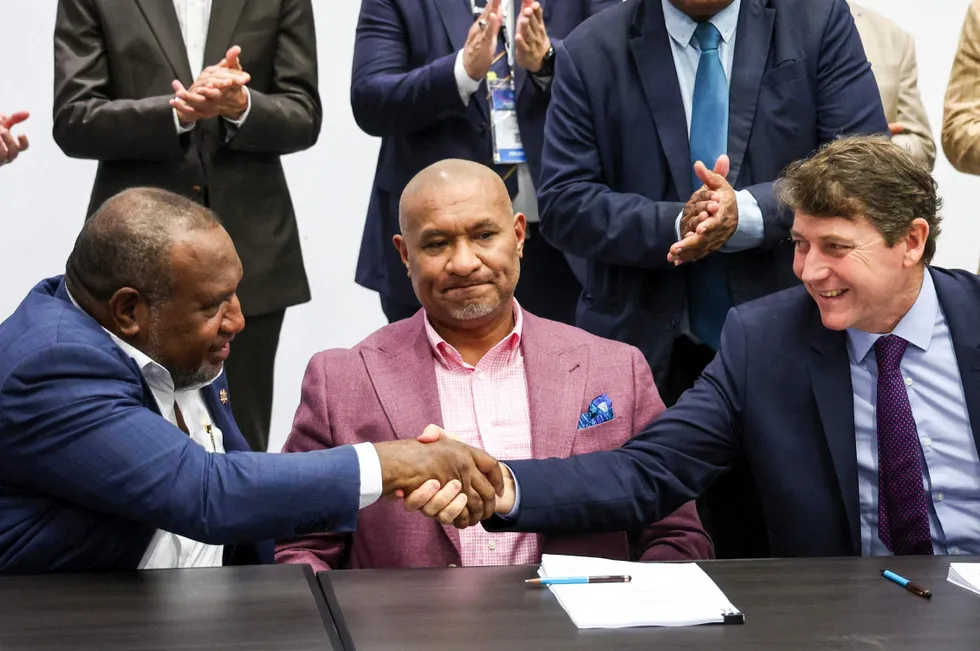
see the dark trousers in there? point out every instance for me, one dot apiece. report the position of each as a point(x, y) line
point(251, 371)
point(730, 509)
point(547, 287)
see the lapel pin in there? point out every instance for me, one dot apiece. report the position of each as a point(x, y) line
point(223, 396)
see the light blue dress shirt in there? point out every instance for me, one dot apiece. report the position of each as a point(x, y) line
point(686, 53)
point(951, 468)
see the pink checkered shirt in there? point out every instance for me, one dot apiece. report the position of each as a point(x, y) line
point(486, 406)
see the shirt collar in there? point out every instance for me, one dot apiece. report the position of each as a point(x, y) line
point(681, 27)
point(155, 374)
point(447, 355)
point(916, 326)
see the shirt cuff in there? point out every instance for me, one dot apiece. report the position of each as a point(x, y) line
point(544, 83)
point(750, 230)
point(371, 482)
point(512, 514)
point(244, 116)
point(181, 129)
point(465, 85)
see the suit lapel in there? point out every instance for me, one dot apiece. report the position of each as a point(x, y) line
point(457, 17)
point(404, 380)
point(231, 436)
point(650, 44)
point(830, 376)
point(755, 23)
point(162, 19)
point(555, 386)
point(221, 28)
point(962, 318)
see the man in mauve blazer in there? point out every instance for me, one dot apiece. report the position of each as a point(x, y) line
point(406, 376)
point(115, 61)
point(404, 90)
point(891, 51)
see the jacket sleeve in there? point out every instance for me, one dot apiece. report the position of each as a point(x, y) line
point(88, 121)
point(76, 428)
point(312, 431)
point(917, 137)
point(389, 96)
point(287, 118)
point(961, 112)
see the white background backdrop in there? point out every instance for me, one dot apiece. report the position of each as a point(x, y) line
point(43, 195)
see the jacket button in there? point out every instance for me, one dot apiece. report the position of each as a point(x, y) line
point(196, 189)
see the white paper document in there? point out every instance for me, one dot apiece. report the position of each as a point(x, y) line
point(965, 575)
point(659, 594)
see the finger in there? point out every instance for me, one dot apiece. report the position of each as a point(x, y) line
point(430, 434)
point(9, 144)
point(3, 148)
point(177, 86)
point(420, 496)
point(194, 100)
point(443, 498)
point(491, 470)
point(231, 58)
point(185, 109)
point(22, 141)
point(896, 128)
point(456, 511)
point(722, 165)
point(15, 118)
point(709, 178)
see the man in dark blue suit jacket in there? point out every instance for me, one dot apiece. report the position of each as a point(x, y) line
point(855, 399)
point(617, 175)
point(406, 89)
point(94, 477)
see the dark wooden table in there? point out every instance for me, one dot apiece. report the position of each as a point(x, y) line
point(247, 608)
point(812, 605)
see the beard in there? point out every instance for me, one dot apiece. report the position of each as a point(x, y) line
point(474, 311)
point(182, 378)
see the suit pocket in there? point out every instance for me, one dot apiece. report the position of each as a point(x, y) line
point(785, 73)
point(604, 436)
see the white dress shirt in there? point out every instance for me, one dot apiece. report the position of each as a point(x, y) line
point(194, 17)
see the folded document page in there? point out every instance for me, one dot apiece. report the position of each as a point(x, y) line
point(965, 575)
point(659, 594)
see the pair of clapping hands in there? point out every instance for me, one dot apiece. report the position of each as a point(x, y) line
point(218, 91)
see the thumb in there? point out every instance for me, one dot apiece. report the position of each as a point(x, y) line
point(712, 179)
point(433, 433)
point(231, 58)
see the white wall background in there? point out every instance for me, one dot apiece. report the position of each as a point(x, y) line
point(44, 194)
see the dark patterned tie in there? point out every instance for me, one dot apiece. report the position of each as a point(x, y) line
point(903, 512)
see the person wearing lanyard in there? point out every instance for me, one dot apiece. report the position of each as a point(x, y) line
point(419, 83)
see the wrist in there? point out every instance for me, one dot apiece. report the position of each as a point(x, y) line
point(546, 63)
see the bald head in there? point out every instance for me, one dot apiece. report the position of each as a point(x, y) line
point(442, 182)
point(129, 240)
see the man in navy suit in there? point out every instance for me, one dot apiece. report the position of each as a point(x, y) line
point(118, 448)
point(855, 398)
point(642, 93)
point(419, 84)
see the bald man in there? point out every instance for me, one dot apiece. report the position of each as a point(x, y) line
point(489, 372)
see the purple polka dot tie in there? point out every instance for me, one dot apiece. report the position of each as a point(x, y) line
point(903, 513)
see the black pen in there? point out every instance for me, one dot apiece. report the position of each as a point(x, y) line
point(908, 585)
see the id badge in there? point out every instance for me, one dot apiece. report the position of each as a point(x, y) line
point(507, 147)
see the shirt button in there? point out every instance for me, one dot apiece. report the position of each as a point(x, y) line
point(908, 381)
point(954, 550)
point(939, 497)
point(927, 441)
point(492, 544)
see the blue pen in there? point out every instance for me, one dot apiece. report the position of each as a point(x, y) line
point(905, 583)
point(569, 580)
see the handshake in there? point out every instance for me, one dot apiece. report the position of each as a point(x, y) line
point(445, 479)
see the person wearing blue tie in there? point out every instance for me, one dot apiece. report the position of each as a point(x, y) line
point(649, 98)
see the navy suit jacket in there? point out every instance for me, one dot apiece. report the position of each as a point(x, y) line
point(403, 90)
point(778, 394)
point(89, 470)
point(616, 166)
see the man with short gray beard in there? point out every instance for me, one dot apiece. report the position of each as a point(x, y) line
point(476, 363)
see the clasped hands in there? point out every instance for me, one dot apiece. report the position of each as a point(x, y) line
point(531, 42)
point(444, 478)
point(710, 216)
point(218, 90)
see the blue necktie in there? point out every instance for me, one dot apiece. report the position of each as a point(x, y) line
point(708, 295)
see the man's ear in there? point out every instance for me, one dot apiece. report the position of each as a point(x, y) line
point(402, 247)
point(127, 309)
point(520, 231)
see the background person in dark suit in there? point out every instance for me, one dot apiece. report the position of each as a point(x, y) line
point(855, 398)
point(118, 65)
point(418, 84)
point(642, 92)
